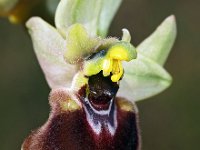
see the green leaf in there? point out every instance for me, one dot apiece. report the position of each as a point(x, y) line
point(143, 78)
point(158, 45)
point(49, 47)
point(95, 15)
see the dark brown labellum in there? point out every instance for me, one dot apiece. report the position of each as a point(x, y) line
point(102, 122)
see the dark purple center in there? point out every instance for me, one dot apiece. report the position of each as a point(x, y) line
point(101, 91)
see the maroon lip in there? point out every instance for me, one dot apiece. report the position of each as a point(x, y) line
point(101, 123)
point(100, 104)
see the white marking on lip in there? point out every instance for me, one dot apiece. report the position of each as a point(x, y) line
point(96, 125)
point(112, 129)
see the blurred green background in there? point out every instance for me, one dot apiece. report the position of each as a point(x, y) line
point(169, 121)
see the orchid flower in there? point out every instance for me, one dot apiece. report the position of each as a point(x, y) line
point(95, 80)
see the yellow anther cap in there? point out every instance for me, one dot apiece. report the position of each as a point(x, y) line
point(121, 51)
point(109, 61)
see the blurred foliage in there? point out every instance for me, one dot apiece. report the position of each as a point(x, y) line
point(169, 121)
point(19, 11)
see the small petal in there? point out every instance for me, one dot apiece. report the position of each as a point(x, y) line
point(79, 44)
point(158, 45)
point(95, 15)
point(143, 78)
point(49, 47)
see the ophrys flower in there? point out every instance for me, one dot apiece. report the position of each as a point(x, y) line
point(88, 72)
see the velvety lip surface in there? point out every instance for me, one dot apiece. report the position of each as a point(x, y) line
point(71, 131)
point(100, 124)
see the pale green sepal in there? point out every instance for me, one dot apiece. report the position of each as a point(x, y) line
point(143, 78)
point(79, 44)
point(95, 15)
point(158, 45)
point(49, 47)
point(85, 12)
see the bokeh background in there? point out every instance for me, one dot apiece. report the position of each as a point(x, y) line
point(169, 121)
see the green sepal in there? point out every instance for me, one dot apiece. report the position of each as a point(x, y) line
point(49, 47)
point(95, 15)
point(158, 45)
point(143, 78)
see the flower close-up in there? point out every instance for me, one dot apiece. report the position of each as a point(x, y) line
point(99, 75)
point(95, 80)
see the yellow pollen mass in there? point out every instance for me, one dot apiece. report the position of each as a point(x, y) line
point(112, 62)
point(114, 66)
point(117, 71)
